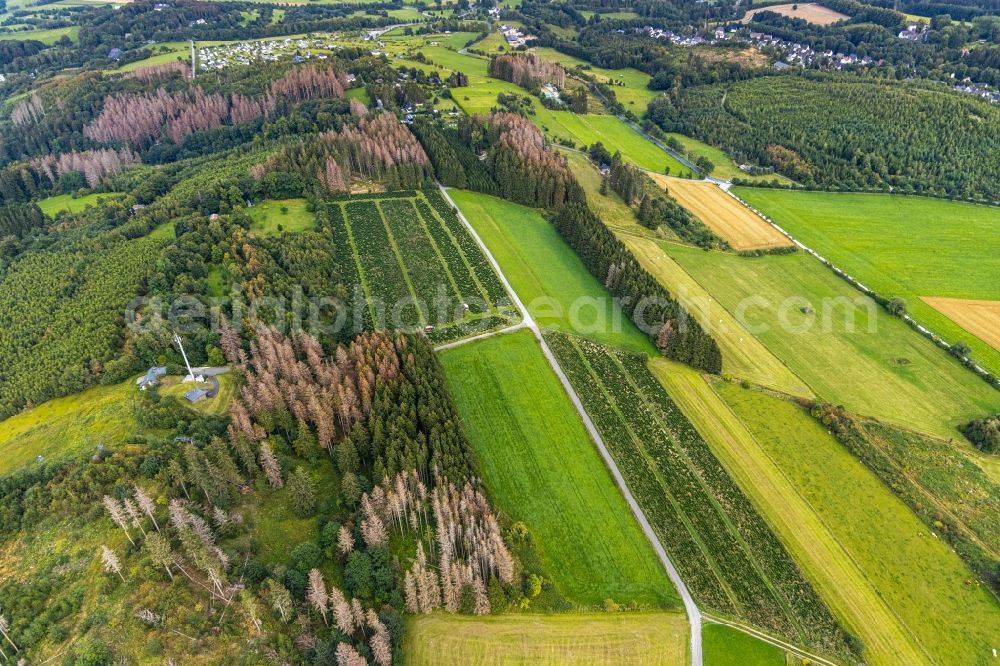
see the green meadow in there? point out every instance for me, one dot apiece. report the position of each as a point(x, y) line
point(49, 36)
point(725, 646)
point(845, 348)
point(542, 469)
point(51, 206)
point(272, 218)
point(954, 621)
point(900, 246)
point(549, 277)
point(725, 167)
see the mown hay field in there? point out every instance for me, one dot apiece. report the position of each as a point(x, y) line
point(727, 217)
point(809, 12)
point(981, 318)
point(653, 639)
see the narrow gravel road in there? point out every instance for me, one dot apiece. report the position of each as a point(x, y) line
point(694, 616)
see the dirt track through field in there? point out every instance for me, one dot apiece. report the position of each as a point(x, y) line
point(980, 318)
point(723, 214)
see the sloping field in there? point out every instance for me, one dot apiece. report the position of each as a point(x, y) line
point(542, 469)
point(903, 246)
point(981, 318)
point(546, 273)
point(930, 591)
point(727, 217)
point(848, 350)
point(872, 541)
point(64, 426)
point(809, 12)
point(656, 639)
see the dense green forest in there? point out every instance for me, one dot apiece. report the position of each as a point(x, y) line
point(888, 136)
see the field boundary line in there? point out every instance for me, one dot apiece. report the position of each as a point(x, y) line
point(357, 261)
point(694, 615)
point(425, 230)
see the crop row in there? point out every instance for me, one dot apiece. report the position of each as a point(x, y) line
point(669, 525)
point(665, 461)
point(461, 271)
point(429, 276)
point(808, 609)
point(473, 255)
point(384, 275)
point(679, 478)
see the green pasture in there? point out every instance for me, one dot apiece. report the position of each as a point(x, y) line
point(272, 218)
point(52, 206)
point(845, 348)
point(542, 469)
point(547, 275)
point(900, 246)
point(954, 621)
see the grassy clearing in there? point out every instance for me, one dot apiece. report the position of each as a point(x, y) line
point(953, 620)
point(725, 646)
point(272, 218)
point(549, 277)
point(725, 167)
point(742, 354)
point(823, 558)
point(810, 12)
point(51, 206)
point(543, 470)
point(69, 425)
point(634, 95)
point(900, 246)
point(50, 36)
point(874, 365)
point(623, 638)
point(217, 406)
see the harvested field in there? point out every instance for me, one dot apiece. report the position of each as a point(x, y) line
point(604, 638)
point(809, 12)
point(980, 318)
point(723, 214)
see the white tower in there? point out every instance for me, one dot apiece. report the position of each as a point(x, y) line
point(190, 376)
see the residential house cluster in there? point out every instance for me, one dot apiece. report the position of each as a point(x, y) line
point(514, 36)
point(914, 32)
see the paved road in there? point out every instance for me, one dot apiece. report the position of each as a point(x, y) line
point(694, 616)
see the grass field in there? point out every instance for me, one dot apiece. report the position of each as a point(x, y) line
point(728, 218)
point(846, 349)
point(823, 558)
point(272, 218)
point(742, 354)
point(547, 275)
point(954, 621)
point(44, 36)
point(809, 12)
point(981, 318)
point(65, 202)
point(725, 167)
point(69, 425)
point(904, 246)
point(541, 468)
point(634, 95)
point(481, 96)
point(725, 646)
point(657, 639)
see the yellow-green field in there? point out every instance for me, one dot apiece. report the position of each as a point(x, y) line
point(856, 542)
point(217, 406)
point(57, 428)
point(50, 36)
point(742, 354)
point(655, 639)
